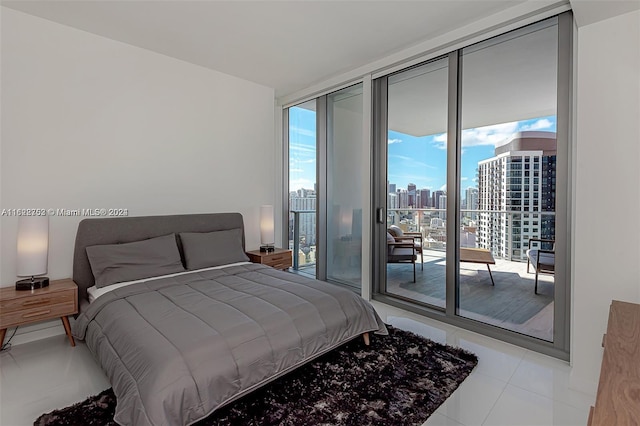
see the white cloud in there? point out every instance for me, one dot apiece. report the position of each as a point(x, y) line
point(541, 124)
point(296, 170)
point(495, 135)
point(441, 141)
point(463, 178)
point(411, 162)
point(392, 141)
point(295, 184)
point(302, 148)
point(301, 131)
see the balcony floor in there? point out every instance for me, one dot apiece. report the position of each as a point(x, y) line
point(510, 304)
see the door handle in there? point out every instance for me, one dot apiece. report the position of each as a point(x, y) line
point(380, 214)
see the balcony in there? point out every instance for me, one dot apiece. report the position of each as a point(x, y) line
point(302, 235)
point(511, 303)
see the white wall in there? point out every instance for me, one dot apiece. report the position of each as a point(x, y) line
point(607, 194)
point(89, 122)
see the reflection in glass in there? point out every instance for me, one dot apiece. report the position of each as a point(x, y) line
point(507, 175)
point(416, 183)
point(344, 187)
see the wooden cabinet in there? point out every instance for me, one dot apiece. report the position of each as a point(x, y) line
point(58, 300)
point(618, 397)
point(279, 258)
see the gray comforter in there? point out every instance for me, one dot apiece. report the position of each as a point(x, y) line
point(175, 349)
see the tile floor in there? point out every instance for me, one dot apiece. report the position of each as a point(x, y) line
point(510, 386)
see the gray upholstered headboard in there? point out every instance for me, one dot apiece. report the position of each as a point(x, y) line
point(93, 232)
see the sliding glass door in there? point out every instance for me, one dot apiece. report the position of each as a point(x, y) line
point(416, 163)
point(471, 170)
point(344, 186)
point(325, 186)
point(508, 180)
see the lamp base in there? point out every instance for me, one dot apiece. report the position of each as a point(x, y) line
point(32, 283)
point(267, 248)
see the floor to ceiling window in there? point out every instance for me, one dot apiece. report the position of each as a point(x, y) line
point(508, 178)
point(471, 170)
point(325, 186)
point(344, 187)
point(302, 155)
point(417, 176)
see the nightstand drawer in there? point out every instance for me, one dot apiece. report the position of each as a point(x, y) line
point(58, 300)
point(278, 261)
point(281, 265)
point(279, 258)
point(38, 313)
point(36, 301)
point(276, 258)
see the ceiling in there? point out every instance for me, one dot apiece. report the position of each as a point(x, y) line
point(286, 45)
point(505, 79)
point(291, 45)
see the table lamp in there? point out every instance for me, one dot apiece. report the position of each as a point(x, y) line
point(267, 233)
point(33, 248)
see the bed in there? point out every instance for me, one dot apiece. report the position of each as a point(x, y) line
point(202, 330)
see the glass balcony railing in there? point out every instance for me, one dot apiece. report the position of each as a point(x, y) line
point(302, 239)
point(505, 233)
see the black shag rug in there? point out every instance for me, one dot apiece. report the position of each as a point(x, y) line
point(400, 379)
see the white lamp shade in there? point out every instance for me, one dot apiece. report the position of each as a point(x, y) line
point(267, 233)
point(33, 245)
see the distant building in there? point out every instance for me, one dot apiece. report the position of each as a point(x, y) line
point(435, 199)
point(442, 203)
point(403, 198)
point(520, 178)
point(411, 192)
point(471, 202)
point(425, 198)
point(392, 201)
point(392, 188)
point(301, 200)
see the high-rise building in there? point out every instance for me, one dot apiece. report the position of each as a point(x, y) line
point(304, 200)
point(411, 191)
point(442, 202)
point(403, 198)
point(425, 198)
point(518, 180)
point(471, 202)
point(392, 188)
point(435, 199)
point(392, 201)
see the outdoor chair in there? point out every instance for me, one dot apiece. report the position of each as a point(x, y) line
point(401, 252)
point(415, 237)
point(542, 260)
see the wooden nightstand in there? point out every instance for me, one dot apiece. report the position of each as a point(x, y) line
point(279, 258)
point(58, 300)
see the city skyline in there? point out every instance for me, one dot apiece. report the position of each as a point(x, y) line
point(417, 160)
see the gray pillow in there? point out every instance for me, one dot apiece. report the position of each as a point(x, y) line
point(205, 249)
point(395, 231)
point(116, 263)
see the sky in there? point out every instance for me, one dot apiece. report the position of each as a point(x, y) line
point(418, 160)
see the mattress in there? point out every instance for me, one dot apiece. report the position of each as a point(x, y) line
point(177, 348)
